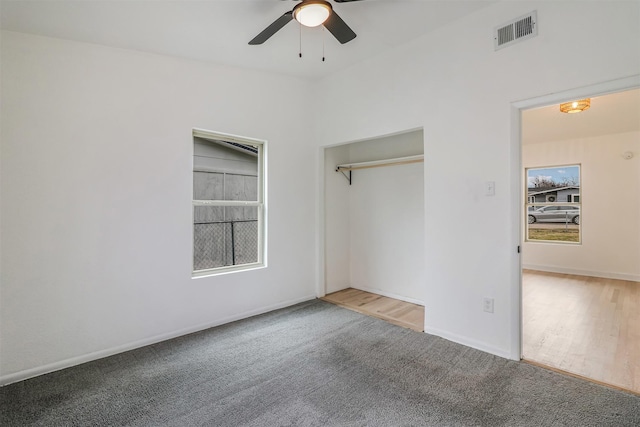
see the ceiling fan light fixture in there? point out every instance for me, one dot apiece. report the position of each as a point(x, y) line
point(312, 13)
point(576, 106)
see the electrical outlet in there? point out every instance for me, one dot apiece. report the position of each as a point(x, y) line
point(487, 304)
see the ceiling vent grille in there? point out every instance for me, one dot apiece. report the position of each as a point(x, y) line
point(516, 30)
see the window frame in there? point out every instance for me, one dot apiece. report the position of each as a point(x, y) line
point(529, 204)
point(260, 203)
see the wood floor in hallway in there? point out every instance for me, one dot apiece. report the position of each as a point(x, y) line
point(587, 326)
point(398, 312)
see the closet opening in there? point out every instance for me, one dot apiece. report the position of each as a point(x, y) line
point(374, 227)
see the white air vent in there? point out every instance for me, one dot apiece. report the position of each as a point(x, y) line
point(516, 30)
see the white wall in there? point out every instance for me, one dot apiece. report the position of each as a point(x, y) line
point(375, 229)
point(387, 231)
point(337, 242)
point(610, 214)
point(459, 90)
point(96, 198)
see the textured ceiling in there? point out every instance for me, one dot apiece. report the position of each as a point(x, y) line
point(219, 31)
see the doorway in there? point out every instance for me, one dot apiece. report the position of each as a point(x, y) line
point(581, 279)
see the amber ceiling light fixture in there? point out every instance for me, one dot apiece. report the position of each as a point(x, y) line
point(312, 13)
point(575, 106)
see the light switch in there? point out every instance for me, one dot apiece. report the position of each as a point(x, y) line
point(490, 188)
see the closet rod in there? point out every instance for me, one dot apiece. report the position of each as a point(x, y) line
point(379, 163)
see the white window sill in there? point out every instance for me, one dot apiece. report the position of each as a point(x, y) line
point(227, 270)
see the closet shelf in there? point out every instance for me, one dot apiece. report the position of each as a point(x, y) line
point(377, 163)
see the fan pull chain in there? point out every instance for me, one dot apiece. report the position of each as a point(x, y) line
point(300, 38)
point(323, 43)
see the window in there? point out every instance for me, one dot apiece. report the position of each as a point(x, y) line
point(552, 211)
point(228, 203)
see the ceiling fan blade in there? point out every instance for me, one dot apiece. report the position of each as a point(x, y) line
point(339, 28)
point(272, 29)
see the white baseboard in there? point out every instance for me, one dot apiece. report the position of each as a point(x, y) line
point(469, 342)
point(67, 363)
point(577, 272)
point(388, 294)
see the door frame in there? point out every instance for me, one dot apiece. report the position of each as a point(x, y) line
point(517, 182)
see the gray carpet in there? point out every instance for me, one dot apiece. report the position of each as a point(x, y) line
point(313, 364)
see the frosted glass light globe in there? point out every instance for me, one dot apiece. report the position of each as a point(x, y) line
point(312, 13)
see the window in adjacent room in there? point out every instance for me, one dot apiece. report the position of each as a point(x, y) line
point(553, 208)
point(228, 203)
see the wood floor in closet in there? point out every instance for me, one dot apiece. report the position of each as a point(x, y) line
point(401, 313)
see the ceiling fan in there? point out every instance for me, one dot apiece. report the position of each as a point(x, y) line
point(311, 13)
